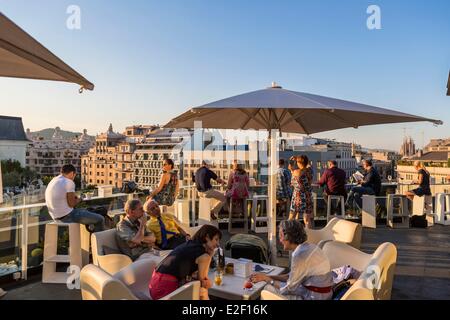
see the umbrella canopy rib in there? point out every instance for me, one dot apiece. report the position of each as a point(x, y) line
point(250, 117)
point(336, 117)
point(247, 113)
point(294, 118)
point(283, 114)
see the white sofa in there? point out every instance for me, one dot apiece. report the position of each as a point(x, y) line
point(377, 271)
point(337, 230)
point(130, 283)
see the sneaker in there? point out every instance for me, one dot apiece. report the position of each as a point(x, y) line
point(2, 293)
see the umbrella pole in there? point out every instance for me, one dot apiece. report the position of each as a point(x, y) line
point(1, 186)
point(271, 210)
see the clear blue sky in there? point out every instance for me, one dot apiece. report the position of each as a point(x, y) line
point(151, 60)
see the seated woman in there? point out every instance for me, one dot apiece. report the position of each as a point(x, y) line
point(423, 182)
point(187, 261)
point(238, 183)
point(310, 277)
point(167, 190)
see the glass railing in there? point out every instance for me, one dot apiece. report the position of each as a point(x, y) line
point(22, 226)
point(434, 188)
point(22, 233)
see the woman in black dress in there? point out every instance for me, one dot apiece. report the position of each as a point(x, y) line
point(423, 182)
point(188, 261)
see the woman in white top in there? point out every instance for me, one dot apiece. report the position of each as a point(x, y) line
point(310, 277)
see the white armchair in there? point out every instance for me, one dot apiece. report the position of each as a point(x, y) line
point(376, 279)
point(131, 283)
point(112, 262)
point(337, 230)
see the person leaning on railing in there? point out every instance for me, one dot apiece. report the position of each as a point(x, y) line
point(61, 200)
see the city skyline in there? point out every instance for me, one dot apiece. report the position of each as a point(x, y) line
point(170, 57)
point(230, 135)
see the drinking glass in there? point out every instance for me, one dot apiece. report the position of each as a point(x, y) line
point(218, 278)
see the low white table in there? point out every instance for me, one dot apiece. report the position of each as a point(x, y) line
point(232, 287)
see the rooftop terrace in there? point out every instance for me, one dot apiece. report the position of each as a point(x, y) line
point(422, 272)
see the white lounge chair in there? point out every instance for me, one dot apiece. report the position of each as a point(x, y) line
point(131, 283)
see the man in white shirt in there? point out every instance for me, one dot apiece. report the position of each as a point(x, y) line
point(61, 200)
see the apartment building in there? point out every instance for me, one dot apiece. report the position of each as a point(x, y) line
point(98, 166)
point(47, 156)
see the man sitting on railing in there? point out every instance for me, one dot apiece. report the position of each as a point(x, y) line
point(168, 233)
point(202, 179)
point(371, 185)
point(132, 236)
point(61, 200)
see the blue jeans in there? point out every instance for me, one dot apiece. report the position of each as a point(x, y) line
point(85, 217)
point(355, 195)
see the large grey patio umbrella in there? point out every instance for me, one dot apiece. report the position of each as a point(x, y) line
point(276, 109)
point(21, 56)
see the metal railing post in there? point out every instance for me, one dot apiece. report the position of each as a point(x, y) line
point(24, 242)
point(194, 206)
